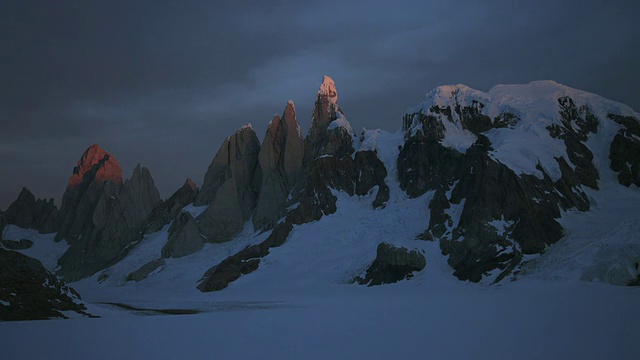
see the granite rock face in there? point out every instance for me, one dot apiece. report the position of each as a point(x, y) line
point(167, 210)
point(231, 187)
point(95, 168)
point(304, 185)
point(236, 159)
point(29, 292)
point(281, 161)
point(109, 216)
point(325, 111)
point(184, 237)
point(392, 264)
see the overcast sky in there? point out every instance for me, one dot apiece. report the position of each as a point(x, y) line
point(162, 83)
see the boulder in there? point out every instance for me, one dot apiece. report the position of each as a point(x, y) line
point(392, 264)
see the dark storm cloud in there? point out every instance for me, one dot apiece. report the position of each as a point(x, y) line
point(163, 82)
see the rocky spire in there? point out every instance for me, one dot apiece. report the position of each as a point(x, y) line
point(281, 157)
point(96, 165)
point(324, 112)
point(231, 186)
point(95, 168)
point(167, 210)
point(101, 217)
point(330, 132)
point(27, 212)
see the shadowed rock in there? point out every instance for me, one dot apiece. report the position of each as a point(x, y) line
point(391, 265)
point(145, 270)
point(184, 237)
point(281, 160)
point(28, 213)
point(624, 151)
point(244, 262)
point(109, 217)
point(230, 187)
point(167, 210)
point(95, 168)
point(29, 292)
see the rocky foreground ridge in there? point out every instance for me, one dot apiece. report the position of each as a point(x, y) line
point(501, 167)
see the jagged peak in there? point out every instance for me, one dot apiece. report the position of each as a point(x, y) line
point(328, 89)
point(109, 168)
point(190, 183)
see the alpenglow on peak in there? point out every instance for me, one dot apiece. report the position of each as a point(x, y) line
point(328, 88)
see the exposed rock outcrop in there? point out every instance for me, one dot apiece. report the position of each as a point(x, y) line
point(146, 269)
point(223, 219)
point(281, 160)
point(244, 262)
point(95, 168)
point(23, 244)
point(325, 111)
point(184, 237)
point(392, 264)
point(484, 214)
point(167, 210)
point(236, 159)
point(29, 292)
point(109, 216)
point(29, 213)
point(231, 187)
point(328, 165)
point(624, 152)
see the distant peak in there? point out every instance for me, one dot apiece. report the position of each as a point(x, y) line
point(328, 89)
point(190, 184)
point(107, 167)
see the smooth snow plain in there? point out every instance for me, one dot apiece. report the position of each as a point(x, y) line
point(301, 304)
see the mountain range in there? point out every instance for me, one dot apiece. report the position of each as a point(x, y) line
point(533, 181)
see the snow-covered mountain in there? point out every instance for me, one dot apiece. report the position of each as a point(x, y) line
point(533, 181)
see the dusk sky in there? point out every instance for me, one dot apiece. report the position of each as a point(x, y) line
point(162, 83)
